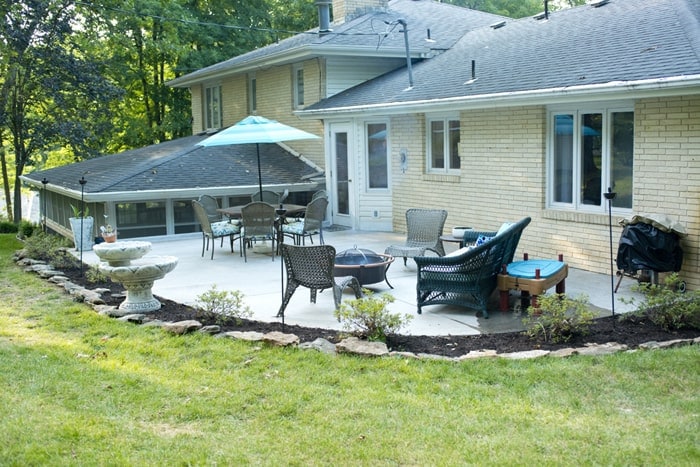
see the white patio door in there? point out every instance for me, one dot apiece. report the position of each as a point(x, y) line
point(342, 167)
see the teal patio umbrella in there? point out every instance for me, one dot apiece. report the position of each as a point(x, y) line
point(256, 129)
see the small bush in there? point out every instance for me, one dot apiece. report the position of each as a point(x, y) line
point(94, 274)
point(50, 248)
point(367, 317)
point(27, 229)
point(8, 227)
point(224, 304)
point(558, 318)
point(668, 305)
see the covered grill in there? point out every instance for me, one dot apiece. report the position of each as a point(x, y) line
point(649, 244)
point(366, 265)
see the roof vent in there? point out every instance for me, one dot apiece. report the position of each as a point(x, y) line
point(498, 25)
point(540, 16)
point(599, 3)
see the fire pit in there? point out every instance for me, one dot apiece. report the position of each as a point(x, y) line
point(366, 265)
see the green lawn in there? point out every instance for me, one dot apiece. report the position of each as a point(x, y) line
point(81, 389)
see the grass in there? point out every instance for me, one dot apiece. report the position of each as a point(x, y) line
point(81, 389)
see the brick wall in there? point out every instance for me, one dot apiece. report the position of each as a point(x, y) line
point(344, 10)
point(503, 177)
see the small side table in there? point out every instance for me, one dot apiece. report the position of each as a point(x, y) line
point(452, 239)
point(532, 278)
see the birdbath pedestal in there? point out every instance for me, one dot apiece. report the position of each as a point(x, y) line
point(125, 262)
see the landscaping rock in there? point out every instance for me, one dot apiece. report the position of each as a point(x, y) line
point(251, 336)
point(182, 327)
point(320, 344)
point(212, 329)
point(362, 347)
point(524, 355)
point(280, 339)
point(478, 354)
point(601, 349)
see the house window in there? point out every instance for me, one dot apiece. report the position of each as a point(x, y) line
point(252, 94)
point(140, 219)
point(443, 145)
point(377, 163)
point(212, 106)
point(298, 87)
point(590, 151)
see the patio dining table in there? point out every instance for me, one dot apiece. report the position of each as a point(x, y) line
point(234, 212)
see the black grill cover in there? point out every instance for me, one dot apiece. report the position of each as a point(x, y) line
point(643, 246)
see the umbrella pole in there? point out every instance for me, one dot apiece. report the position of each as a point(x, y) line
point(257, 149)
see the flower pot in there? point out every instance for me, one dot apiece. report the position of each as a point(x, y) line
point(110, 238)
point(82, 232)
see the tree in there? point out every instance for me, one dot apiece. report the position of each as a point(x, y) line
point(51, 93)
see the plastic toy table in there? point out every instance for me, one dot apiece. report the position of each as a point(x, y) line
point(532, 277)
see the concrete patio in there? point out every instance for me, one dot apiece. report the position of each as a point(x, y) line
point(260, 281)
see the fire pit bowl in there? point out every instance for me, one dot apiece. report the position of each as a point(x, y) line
point(365, 265)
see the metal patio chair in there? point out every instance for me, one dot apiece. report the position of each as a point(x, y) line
point(258, 219)
point(213, 230)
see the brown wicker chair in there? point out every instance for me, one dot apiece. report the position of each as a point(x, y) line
point(423, 230)
point(258, 220)
point(311, 224)
point(312, 267)
point(213, 230)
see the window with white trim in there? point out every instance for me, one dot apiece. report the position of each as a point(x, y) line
point(298, 86)
point(212, 107)
point(252, 94)
point(377, 156)
point(589, 151)
point(443, 144)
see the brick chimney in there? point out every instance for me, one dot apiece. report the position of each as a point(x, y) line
point(345, 10)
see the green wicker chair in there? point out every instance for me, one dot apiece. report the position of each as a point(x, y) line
point(469, 277)
point(312, 266)
point(311, 224)
point(423, 230)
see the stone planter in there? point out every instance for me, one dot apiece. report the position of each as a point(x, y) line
point(82, 242)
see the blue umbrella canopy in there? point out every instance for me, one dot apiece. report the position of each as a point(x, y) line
point(256, 129)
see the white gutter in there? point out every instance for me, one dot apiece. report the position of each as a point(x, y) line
point(658, 87)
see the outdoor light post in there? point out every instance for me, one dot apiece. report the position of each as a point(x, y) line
point(610, 196)
point(44, 182)
point(82, 182)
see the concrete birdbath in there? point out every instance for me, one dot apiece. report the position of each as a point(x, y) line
point(125, 262)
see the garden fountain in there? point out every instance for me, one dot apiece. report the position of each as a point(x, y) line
point(124, 262)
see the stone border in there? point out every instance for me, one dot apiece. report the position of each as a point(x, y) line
point(351, 345)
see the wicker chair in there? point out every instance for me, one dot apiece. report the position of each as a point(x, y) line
point(468, 277)
point(268, 196)
point(213, 230)
point(311, 224)
point(312, 267)
point(423, 230)
point(211, 206)
point(258, 220)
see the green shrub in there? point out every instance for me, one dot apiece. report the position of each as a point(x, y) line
point(224, 304)
point(50, 248)
point(27, 229)
point(667, 305)
point(8, 227)
point(95, 274)
point(367, 317)
point(558, 318)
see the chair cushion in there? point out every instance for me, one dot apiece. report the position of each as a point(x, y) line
point(296, 228)
point(219, 229)
point(482, 239)
point(505, 226)
point(526, 269)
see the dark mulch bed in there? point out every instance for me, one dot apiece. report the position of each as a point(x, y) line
point(628, 331)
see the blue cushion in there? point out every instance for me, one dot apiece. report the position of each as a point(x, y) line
point(481, 239)
point(526, 269)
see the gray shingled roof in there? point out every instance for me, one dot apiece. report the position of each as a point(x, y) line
point(180, 164)
point(624, 40)
point(447, 23)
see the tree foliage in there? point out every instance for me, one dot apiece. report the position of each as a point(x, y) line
point(51, 93)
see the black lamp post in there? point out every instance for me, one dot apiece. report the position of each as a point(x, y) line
point(610, 196)
point(44, 182)
point(82, 182)
point(281, 211)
